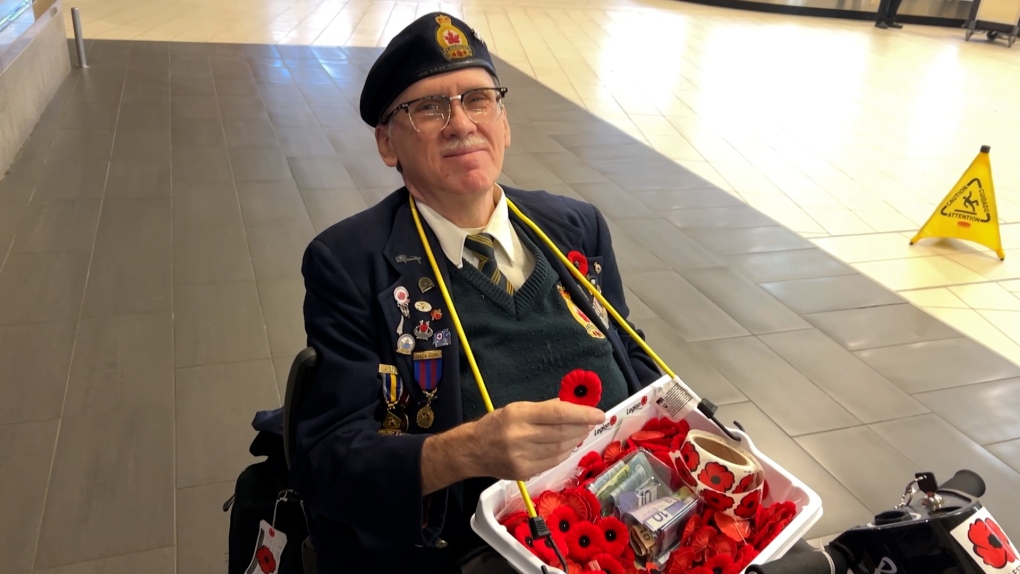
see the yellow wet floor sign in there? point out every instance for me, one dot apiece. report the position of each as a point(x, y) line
point(968, 211)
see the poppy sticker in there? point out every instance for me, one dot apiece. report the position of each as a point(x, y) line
point(268, 548)
point(988, 545)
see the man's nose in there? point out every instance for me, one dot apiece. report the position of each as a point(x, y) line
point(460, 123)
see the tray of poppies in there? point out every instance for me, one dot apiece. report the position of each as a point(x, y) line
point(626, 501)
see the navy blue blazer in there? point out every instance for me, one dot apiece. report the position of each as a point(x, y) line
point(364, 489)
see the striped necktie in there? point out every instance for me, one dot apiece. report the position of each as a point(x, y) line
point(483, 247)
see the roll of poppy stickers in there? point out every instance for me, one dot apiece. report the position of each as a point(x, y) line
point(727, 477)
point(985, 542)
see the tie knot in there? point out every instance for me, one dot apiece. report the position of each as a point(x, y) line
point(482, 244)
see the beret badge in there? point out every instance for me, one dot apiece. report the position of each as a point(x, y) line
point(452, 41)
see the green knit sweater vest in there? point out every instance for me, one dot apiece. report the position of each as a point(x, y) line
point(524, 344)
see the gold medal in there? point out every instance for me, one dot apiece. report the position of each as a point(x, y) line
point(393, 424)
point(426, 417)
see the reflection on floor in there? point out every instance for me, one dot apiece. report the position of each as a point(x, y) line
point(150, 302)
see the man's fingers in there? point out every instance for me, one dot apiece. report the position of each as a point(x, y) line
point(555, 411)
point(549, 434)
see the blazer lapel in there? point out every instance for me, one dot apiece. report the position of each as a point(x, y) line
point(421, 328)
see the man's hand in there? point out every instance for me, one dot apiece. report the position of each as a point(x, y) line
point(515, 442)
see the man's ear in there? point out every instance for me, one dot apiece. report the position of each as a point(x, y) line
point(384, 142)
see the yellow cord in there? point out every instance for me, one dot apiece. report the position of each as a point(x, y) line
point(591, 289)
point(528, 503)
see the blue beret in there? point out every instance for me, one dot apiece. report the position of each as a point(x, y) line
point(433, 44)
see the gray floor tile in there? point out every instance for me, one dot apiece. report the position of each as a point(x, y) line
point(184, 86)
point(842, 509)
point(668, 200)
point(787, 265)
point(203, 528)
point(934, 365)
point(328, 206)
point(81, 144)
point(640, 180)
point(131, 265)
point(158, 561)
point(259, 165)
point(74, 180)
point(639, 311)
point(633, 257)
point(312, 76)
point(211, 254)
point(65, 225)
point(741, 299)
point(198, 204)
point(289, 114)
point(882, 326)
point(831, 293)
point(569, 168)
point(278, 247)
point(305, 142)
point(845, 453)
point(669, 244)
point(612, 201)
point(121, 364)
point(110, 469)
point(933, 445)
point(253, 133)
point(34, 360)
point(371, 172)
point(684, 360)
point(218, 323)
point(986, 412)
point(1008, 452)
point(142, 144)
point(265, 201)
point(597, 152)
point(572, 137)
point(201, 165)
point(147, 92)
point(139, 178)
point(736, 216)
point(197, 133)
point(39, 287)
point(282, 305)
point(789, 398)
point(242, 108)
point(322, 92)
point(215, 404)
point(528, 171)
point(748, 240)
point(144, 116)
point(692, 315)
point(282, 94)
point(190, 67)
point(316, 173)
point(83, 114)
point(356, 141)
point(273, 75)
point(338, 116)
point(237, 87)
point(194, 108)
point(857, 387)
point(27, 451)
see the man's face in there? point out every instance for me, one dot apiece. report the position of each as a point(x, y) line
point(464, 158)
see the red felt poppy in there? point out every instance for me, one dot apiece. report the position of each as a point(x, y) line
point(690, 455)
point(746, 484)
point(607, 563)
point(749, 505)
point(721, 544)
point(581, 388)
point(615, 535)
point(717, 477)
point(699, 541)
point(717, 500)
point(577, 259)
point(1010, 549)
point(562, 519)
point(543, 550)
point(681, 561)
point(647, 436)
point(745, 556)
point(720, 564)
point(583, 502)
point(267, 562)
point(736, 528)
point(612, 453)
point(694, 524)
point(584, 541)
point(574, 567)
point(592, 465)
point(511, 521)
point(685, 475)
point(548, 502)
point(549, 553)
point(992, 549)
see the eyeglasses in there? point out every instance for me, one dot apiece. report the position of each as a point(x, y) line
point(432, 113)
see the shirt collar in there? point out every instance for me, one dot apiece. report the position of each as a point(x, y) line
point(451, 238)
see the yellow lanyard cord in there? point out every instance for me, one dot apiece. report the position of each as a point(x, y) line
point(591, 289)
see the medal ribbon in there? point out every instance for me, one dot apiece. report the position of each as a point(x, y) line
point(392, 386)
point(428, 372)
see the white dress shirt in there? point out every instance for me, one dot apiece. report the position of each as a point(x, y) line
point(515, 261)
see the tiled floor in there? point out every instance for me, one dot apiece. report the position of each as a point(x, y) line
point(150, 302)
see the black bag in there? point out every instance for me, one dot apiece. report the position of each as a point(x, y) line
point(262, 492)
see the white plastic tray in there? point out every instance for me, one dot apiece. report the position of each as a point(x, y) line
point(630, 416)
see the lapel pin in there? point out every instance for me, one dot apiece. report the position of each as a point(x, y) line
point(423, 331)
point(423, 306)
point(405, 344)
point(407, 259)
point(425, 284)
point(437, 314)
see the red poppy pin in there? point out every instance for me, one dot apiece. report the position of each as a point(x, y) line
point(581, 388)
point(267, 562)
point(579, 260)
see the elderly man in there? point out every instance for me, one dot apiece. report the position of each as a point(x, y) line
point(394, 443)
